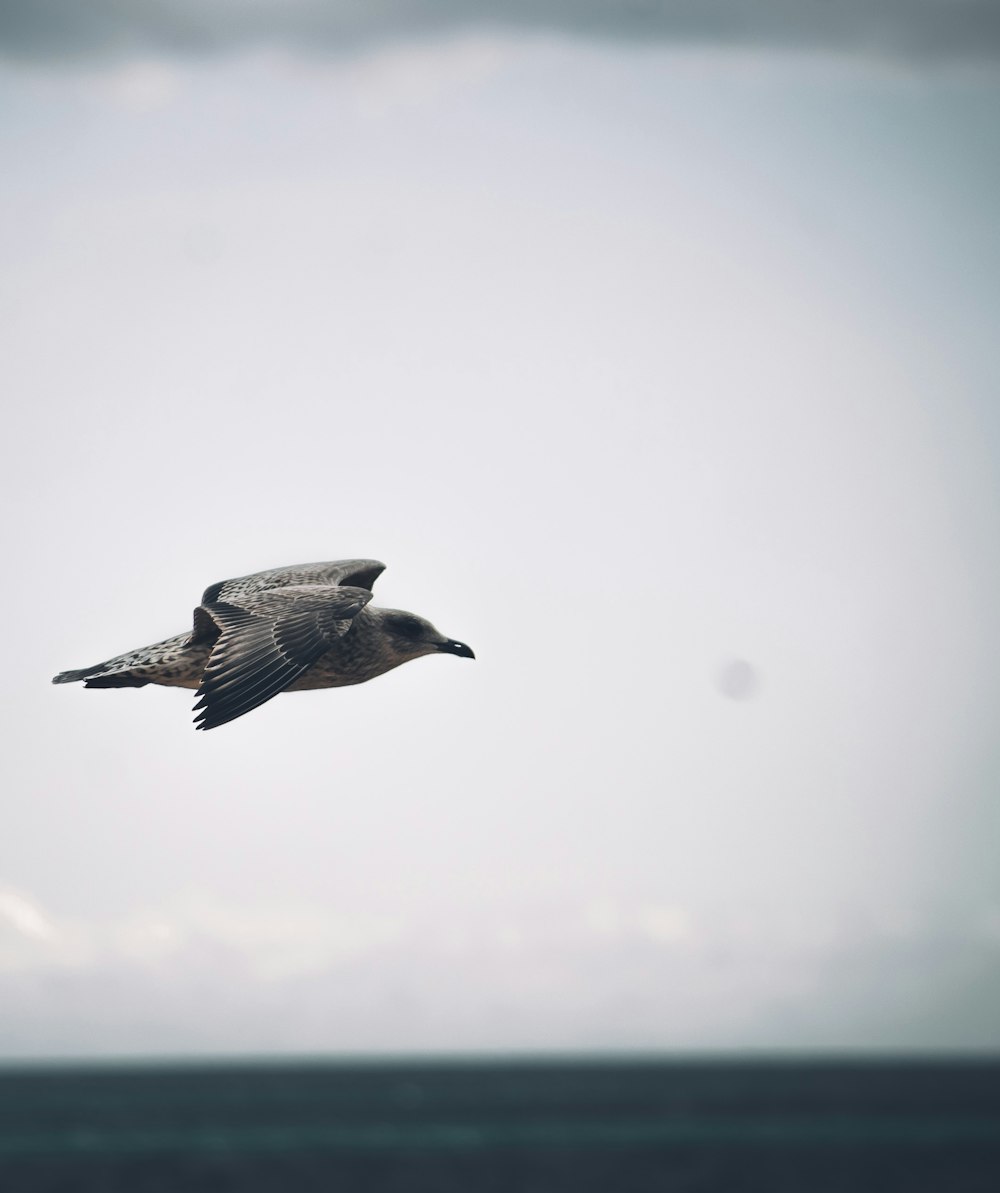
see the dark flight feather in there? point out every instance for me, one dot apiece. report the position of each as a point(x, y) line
point(267, 642)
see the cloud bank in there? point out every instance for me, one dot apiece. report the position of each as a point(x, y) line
point(200, 975)
point(115, 29)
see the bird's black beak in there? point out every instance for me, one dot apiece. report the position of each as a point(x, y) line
point(459, 648)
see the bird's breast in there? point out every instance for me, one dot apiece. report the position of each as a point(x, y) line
point(356, 657)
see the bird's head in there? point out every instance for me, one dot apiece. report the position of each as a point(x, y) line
point(411, 636)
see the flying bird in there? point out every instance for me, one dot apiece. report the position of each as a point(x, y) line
point(284, 630)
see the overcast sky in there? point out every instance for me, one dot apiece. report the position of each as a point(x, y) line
point(923, 30)
point(657, 359)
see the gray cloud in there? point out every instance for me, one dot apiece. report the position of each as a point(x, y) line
point(200, 973)
point(556, 987)
point(115, 29)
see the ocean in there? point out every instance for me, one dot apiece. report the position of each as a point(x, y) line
point(566, 1126)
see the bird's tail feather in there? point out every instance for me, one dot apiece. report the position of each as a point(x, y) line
point(120, 679)
point(93, 678)
point(129, 670)
point(83, 673)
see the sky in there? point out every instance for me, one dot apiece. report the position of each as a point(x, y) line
point(656, 356)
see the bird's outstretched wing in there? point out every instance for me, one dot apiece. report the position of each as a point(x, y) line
point(358, 573)
point(267, 640)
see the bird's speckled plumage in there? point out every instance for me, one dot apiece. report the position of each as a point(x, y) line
point(284, 630)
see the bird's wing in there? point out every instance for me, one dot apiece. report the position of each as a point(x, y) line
point(359, 573)
point(267, 641)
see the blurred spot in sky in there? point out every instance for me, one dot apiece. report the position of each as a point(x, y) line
point(738, 680)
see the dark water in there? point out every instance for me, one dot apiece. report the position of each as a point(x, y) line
point(479, 1127)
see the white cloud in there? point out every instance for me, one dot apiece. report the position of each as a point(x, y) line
point(665, 924)
point(300, 978)
point(140, 86)
point(418, 73)
point(22, 914)
point(32, 940)
point(602, 917)
point(272, 942)
point(281, 942)
point(147, 940)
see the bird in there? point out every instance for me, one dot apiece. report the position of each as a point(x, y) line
point(287, 629)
